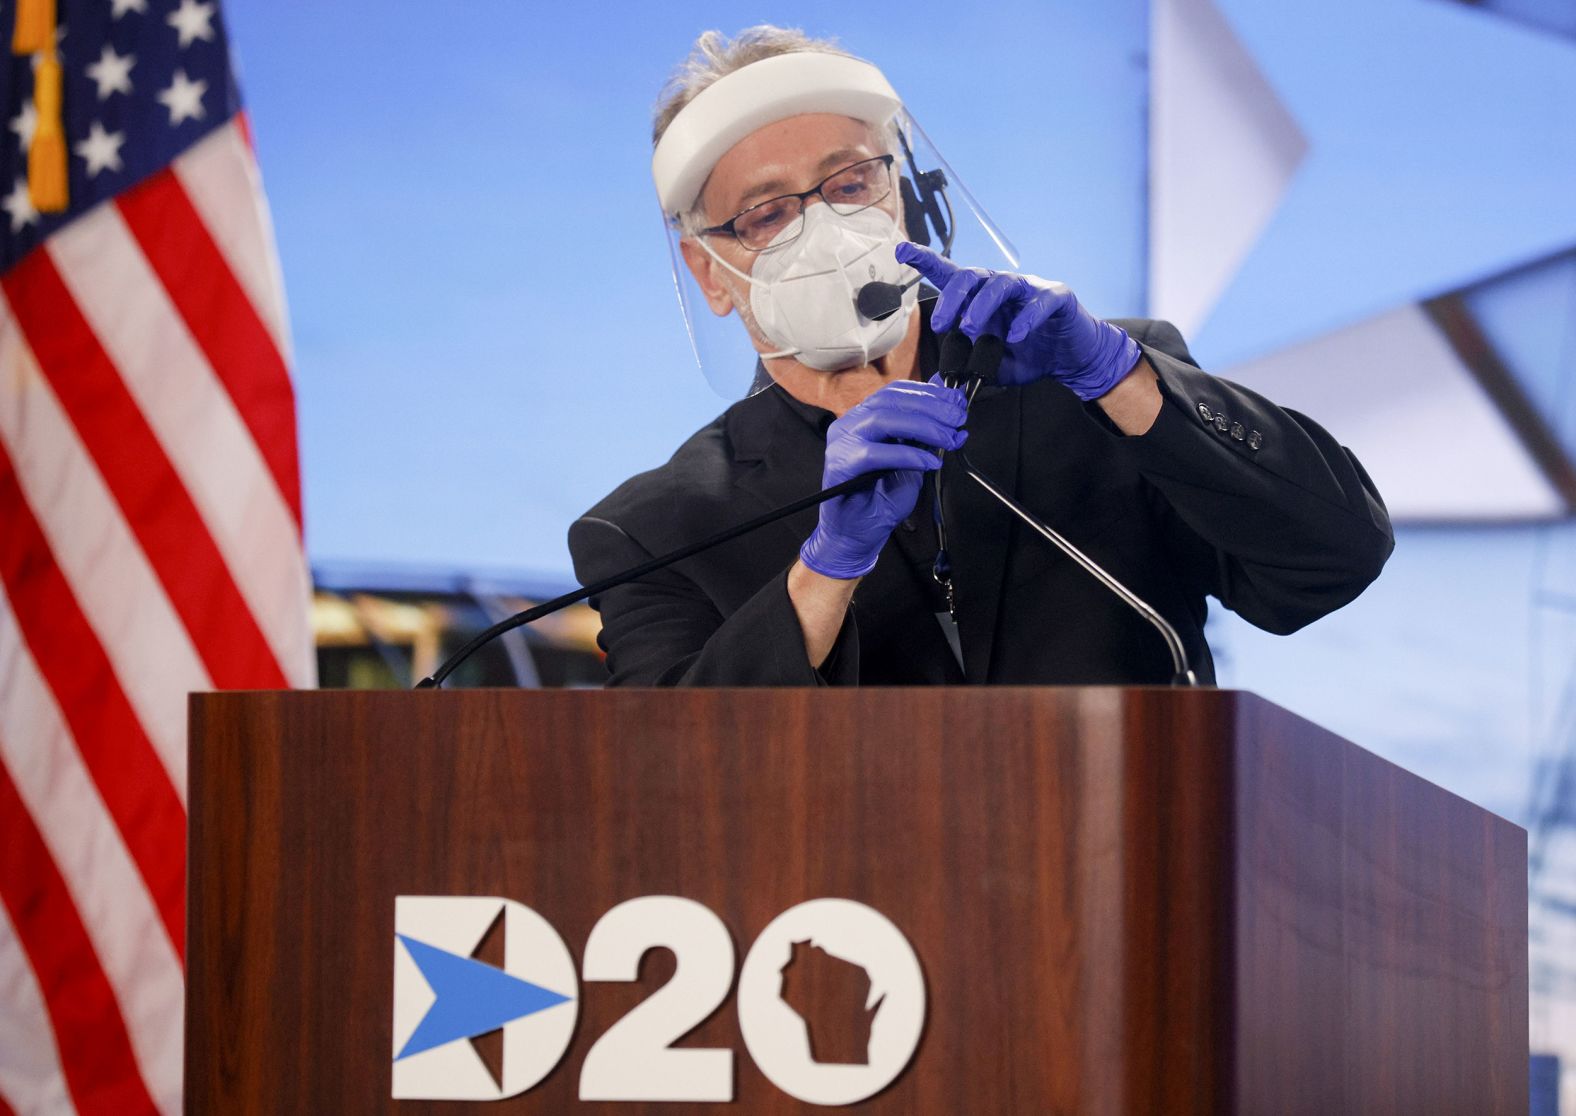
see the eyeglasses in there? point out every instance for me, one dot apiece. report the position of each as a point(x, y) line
point(847, 191)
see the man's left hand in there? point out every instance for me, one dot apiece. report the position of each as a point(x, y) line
point(1047, 332)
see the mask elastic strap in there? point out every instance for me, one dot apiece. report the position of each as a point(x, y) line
point(701, 240)
point(748, 279)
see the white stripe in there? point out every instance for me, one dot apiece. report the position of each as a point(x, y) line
point(221, 178)
point(116, 909)
point(147, 645)
point(195, 420)
point(31, 1080)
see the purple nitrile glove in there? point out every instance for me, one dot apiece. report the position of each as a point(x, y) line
point(1047, 332)
point(855, 526)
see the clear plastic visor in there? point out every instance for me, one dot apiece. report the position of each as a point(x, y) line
point(929, 204)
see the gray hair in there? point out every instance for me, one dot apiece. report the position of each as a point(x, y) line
point(713, 57)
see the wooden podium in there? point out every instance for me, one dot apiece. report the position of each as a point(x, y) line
point(1122, 900)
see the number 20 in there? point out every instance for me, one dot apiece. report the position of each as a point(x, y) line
point(635, 1059)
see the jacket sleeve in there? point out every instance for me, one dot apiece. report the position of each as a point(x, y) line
point(664, 631)
point(1260, 505)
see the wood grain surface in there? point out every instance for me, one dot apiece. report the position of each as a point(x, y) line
point(1124, 901)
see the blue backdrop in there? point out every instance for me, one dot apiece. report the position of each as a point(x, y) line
point(487, 340)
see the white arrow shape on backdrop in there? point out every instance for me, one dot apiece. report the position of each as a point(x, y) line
point(1440, 150)
point(1222, 151)
point(1316, 170)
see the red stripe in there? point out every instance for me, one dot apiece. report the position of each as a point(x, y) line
point(222, 318)
point(116, 751)
point(156, 504)
point(243, 124)
point(95, 1050)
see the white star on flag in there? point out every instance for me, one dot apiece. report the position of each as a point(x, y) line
point(24, 123)
point(19, 204)
point(193, 20)
point(112, 72)
point(184, 98)
point(101, 149)
point(124, 6)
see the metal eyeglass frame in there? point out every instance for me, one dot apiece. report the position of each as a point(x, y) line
point(803, 196)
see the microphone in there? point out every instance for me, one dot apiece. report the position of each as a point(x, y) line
point(985, 360)
point(978, 361)
point(879, 301)
point(953, 361)
point(965, 363)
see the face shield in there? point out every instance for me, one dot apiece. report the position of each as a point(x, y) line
point(809, 275)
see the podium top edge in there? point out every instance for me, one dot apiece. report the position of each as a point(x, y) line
point(831, 691)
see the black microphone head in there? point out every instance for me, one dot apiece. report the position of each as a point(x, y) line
point(878, 301)
point(985, 360)
point(953, 361)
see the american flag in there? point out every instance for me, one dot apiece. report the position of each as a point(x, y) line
point(150, 523)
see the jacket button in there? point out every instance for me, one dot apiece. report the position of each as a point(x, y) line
point(1255, 440)
point(1205, 413)
point(1238, 431)
point(1222, 423)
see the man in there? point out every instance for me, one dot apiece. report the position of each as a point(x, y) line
point(774, 158)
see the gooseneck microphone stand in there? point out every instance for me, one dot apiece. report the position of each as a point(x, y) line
point(1182, 674)
point(520, 619)
point(968, 364)
point(963, 362)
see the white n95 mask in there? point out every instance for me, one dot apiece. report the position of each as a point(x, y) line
point(802, 293)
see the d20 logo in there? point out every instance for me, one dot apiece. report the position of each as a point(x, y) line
point(445, 998)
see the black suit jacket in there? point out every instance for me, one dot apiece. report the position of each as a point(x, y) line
point(1226, 495)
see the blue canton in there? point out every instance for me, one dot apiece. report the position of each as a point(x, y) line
point(144, 80)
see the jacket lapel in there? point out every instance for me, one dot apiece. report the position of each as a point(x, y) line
point(777, 457)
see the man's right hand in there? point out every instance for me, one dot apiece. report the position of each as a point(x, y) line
point(854, 527)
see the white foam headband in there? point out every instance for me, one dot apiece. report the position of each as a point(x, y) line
point(759, 94)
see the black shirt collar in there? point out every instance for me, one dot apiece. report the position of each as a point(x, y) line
point(819, 418)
